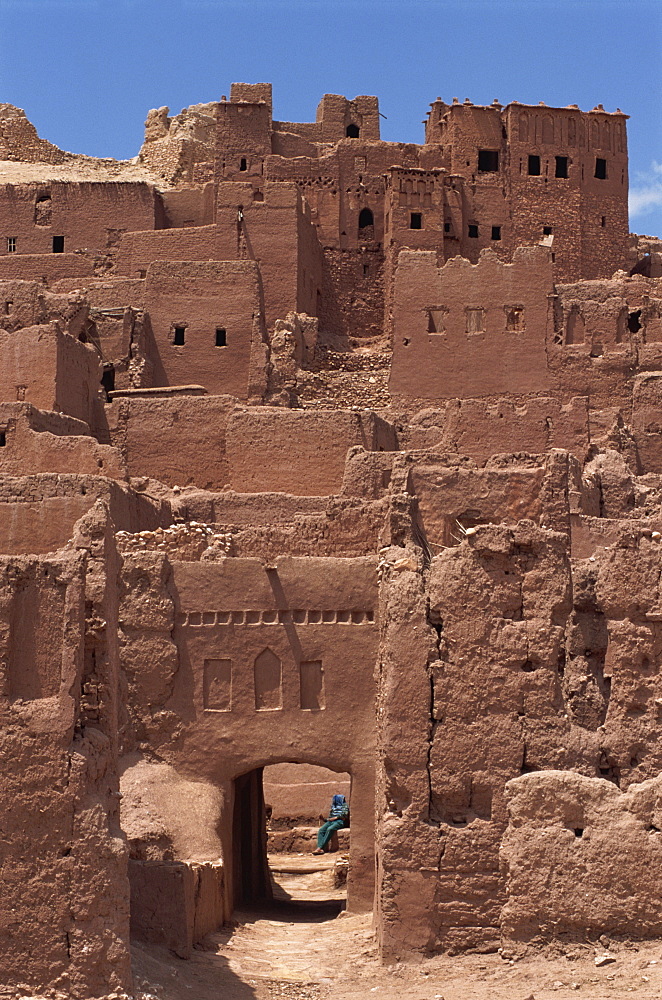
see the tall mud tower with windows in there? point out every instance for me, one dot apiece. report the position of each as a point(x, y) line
point(319, 449)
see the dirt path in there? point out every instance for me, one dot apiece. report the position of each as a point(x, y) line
point(302, 950)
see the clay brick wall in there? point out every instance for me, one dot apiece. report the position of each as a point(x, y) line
point(269, 233)
point(175, 903)
point(201, 298)
point(573, 207)
point(286, 615)
point(47, 268)
point(188, 206)
point(475, 428)
point(470, 330)
point(585, 214)
point(212, 443)
point(89, 215)
point(39, 512)
point(140, 249)
point(36, 441)
point(335, 113)
point(64, 909)
point(243, 136)
point(299, 452)
point(179, 441)
point(49, 369)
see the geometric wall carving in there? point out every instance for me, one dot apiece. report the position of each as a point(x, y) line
point(311, 680)
point(297, 616)
point(218, 685)
point(268, 682)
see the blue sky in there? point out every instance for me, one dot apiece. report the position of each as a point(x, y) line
point(87, 71)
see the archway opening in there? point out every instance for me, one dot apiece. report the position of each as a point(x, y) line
point(287, 852)
point(366, 218)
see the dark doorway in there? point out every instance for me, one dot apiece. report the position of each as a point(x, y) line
point(108, 378)
point(277, 813)
point(249, 836)
point(366, 219)
point(352, 131)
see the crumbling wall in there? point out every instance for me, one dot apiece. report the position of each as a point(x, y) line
point(577, 858)
point(66, 918)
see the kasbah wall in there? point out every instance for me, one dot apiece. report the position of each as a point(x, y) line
point(326, 450)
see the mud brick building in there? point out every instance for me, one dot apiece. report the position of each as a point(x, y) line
point(319, 449)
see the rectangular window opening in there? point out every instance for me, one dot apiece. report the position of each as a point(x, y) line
point(514, 319)
point(221, 337)
point(488, 161)
point(3, 438)
point(603, 221)
point(561, 166)
point(415, 220)
point(534, 166)
point(547, 230)
point(179, 336)
point(447, 227)
point(475, 320)
point(496, 232)
point(600, 168)
point(11, 244)
point(311, 680)
point(243, 165)
point(58, 244)
point(473, 232)
point(9, 307)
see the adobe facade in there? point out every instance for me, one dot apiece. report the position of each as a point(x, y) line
point(319, 449)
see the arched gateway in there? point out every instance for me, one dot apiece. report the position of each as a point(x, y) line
point(264, 664)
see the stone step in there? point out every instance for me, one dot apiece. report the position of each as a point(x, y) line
point(302, 839)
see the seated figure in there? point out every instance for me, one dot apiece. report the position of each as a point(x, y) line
point(338, 818)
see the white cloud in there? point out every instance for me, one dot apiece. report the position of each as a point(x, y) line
point(646, 191)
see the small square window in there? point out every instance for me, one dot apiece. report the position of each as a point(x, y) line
point(58, 244)
point(561, 166)
point(179, 336)
point(600, 168)
point(221, 337)
point(11, 244)
point(547, 230)
point(447, 227)
point(534, 166)
point(496, 232)
point(488, 160)
point(475, 320)
point(473, 232)
point(415, 220)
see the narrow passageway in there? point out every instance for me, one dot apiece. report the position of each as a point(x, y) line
point(300, 945)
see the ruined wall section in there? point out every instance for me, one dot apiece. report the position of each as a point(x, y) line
point(50, 369)
point(19, 139)
point(66, 893)
point(179, 148)
point(39, 511)
point(34, 441)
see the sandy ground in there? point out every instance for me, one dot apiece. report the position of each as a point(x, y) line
point(305, 947)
